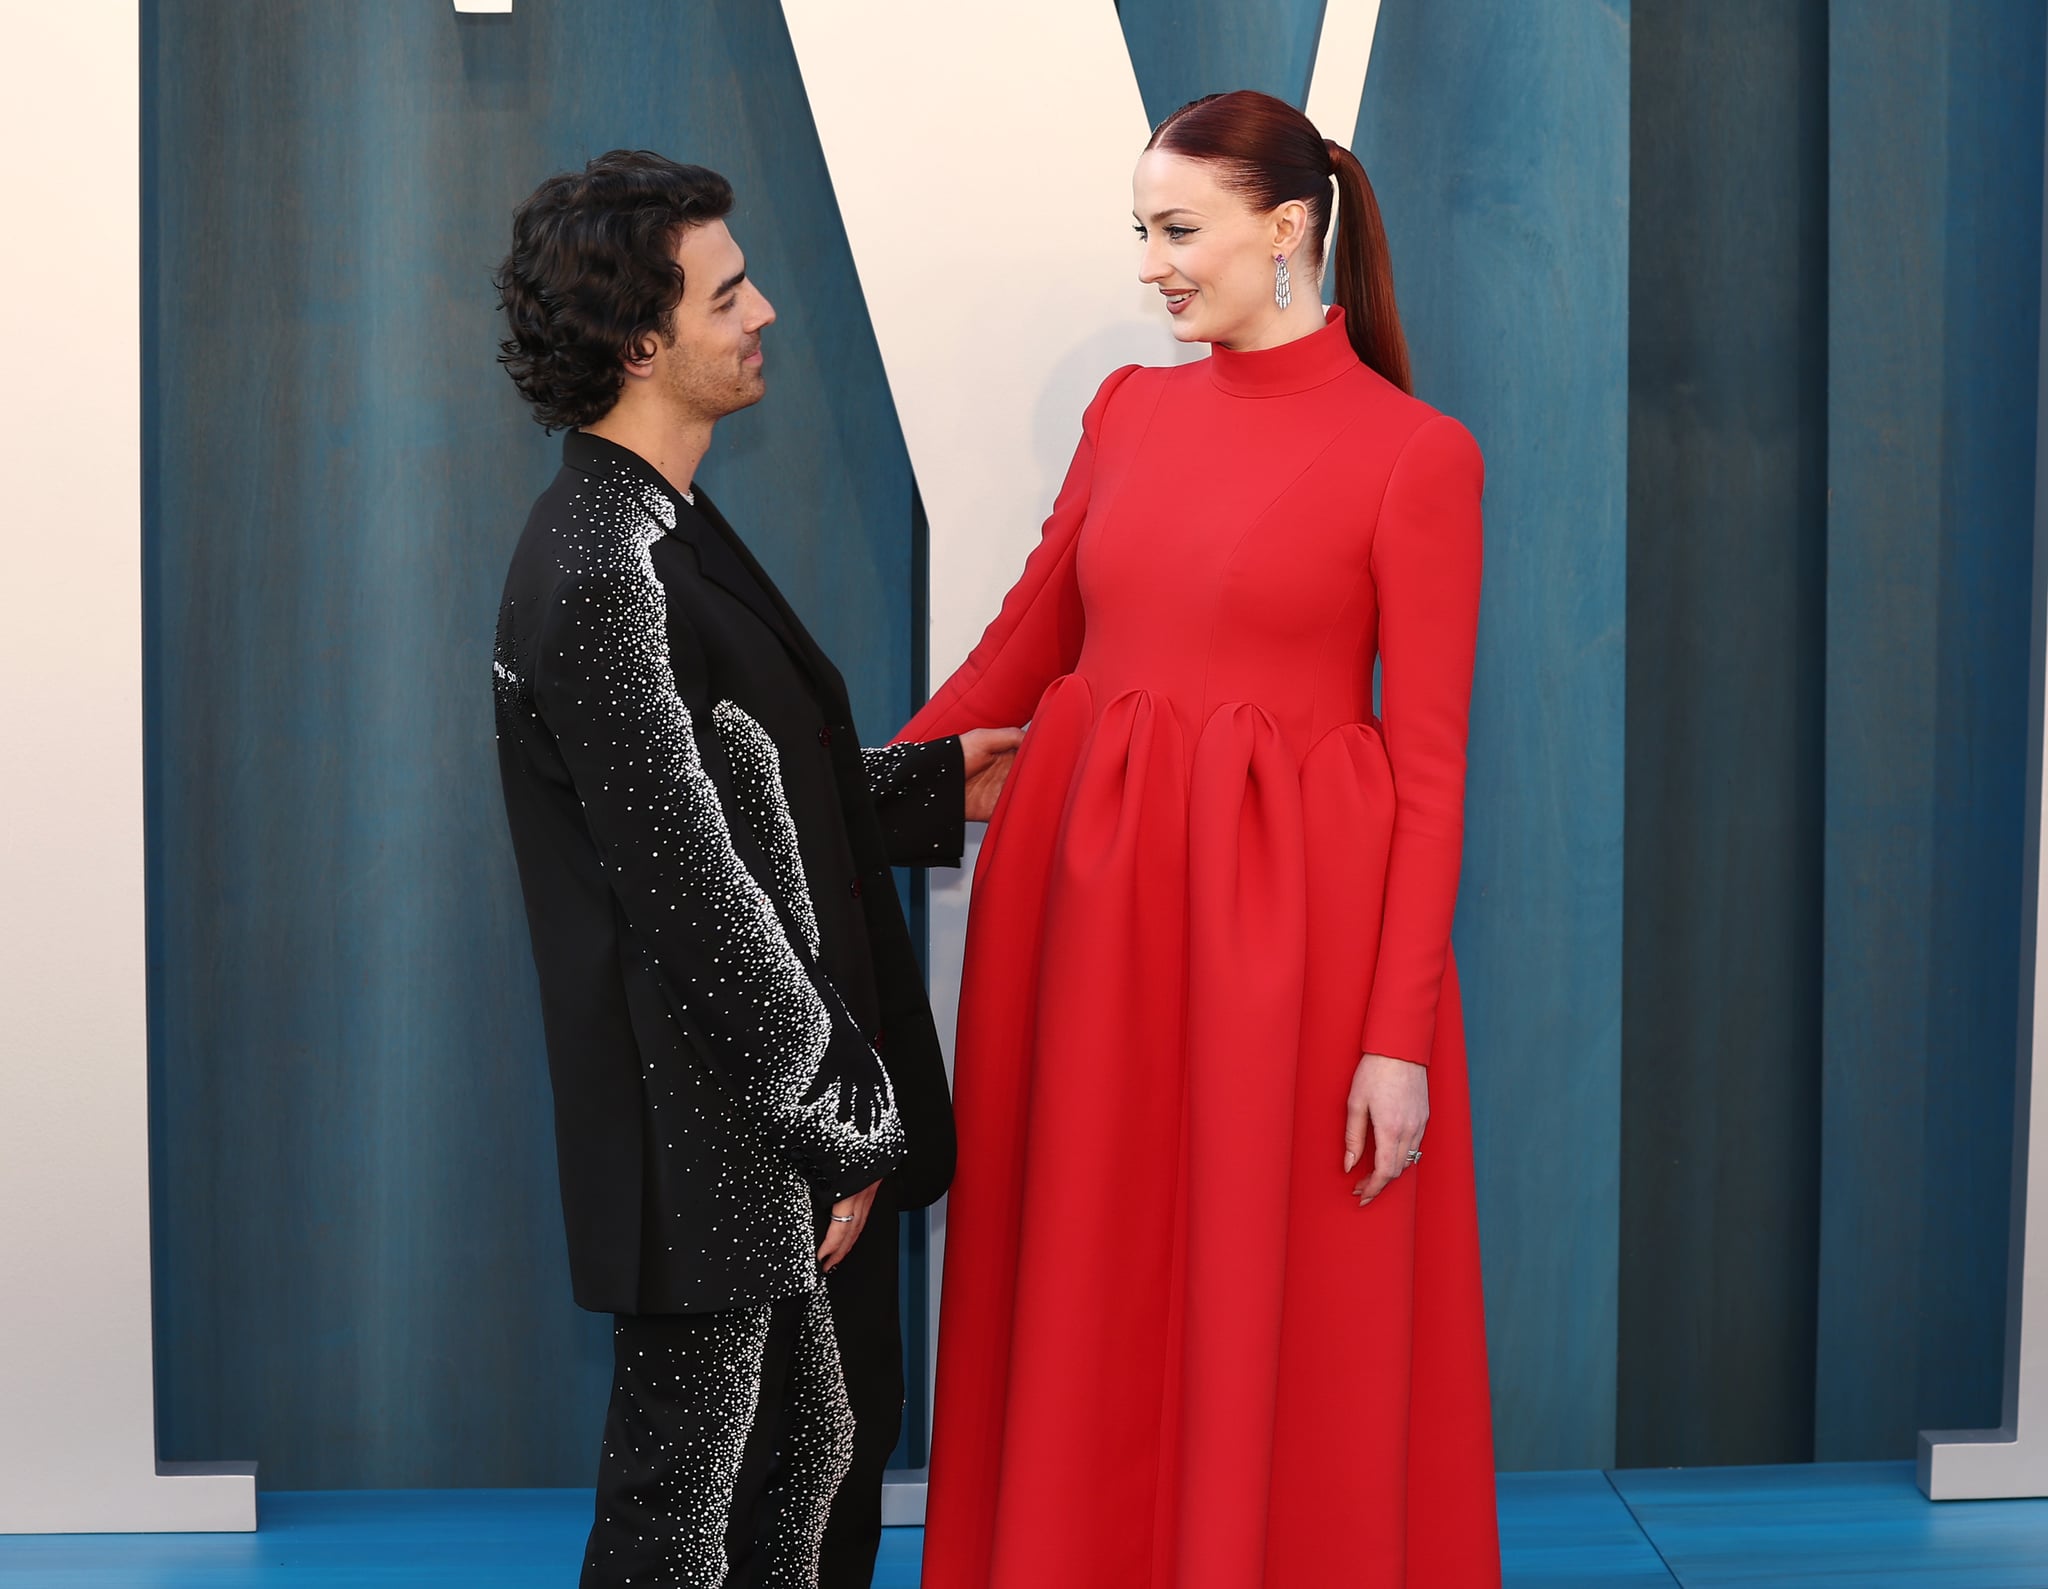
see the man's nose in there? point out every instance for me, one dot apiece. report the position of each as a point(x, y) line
point(764, 312)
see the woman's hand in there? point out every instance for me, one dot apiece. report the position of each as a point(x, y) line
point(1391, 1097)
point(989, 753)
point(849, 1219)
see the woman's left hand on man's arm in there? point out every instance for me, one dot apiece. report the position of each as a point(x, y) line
point(988, 753)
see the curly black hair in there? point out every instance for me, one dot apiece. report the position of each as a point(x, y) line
point(592, 274)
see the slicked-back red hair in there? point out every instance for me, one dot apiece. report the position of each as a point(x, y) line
point(1268, 152)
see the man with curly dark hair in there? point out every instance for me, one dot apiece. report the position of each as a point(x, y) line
point(705, 848)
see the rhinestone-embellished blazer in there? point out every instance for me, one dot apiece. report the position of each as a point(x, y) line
point(737, 1027)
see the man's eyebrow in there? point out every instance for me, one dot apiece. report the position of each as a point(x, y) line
point(730, 283)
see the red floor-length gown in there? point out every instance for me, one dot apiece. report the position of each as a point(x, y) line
point(1174, 1352)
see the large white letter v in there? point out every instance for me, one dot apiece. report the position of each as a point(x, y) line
point(982, 160)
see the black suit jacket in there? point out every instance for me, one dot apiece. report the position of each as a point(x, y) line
point(737, 1028)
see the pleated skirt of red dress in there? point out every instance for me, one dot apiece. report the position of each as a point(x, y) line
point(1174, 1353)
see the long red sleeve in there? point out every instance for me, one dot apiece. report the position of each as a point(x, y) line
point(1426, 563)
point(1037, 635)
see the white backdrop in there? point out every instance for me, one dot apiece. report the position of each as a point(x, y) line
point(77, 1405)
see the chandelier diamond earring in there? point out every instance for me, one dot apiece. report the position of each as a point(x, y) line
point(1283, 290)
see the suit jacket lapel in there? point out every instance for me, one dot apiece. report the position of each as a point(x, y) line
point(723, 557)
point(727, 563)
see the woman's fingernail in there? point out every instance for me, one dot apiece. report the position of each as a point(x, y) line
point(1349, 1160)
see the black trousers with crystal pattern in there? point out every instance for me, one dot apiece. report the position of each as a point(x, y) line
point(727, 1439)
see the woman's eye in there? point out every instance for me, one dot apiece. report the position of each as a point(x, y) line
point(1177, 233)
point(1139, 230)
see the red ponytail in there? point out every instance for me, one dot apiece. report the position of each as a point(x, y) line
point(1270, 153)
point(1365, 272)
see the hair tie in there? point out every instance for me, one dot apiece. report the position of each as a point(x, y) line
point(1332, 149)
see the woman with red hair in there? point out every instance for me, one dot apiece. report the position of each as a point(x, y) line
point(1210, 1321)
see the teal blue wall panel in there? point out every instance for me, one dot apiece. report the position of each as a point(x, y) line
point(360, 1275)
point(1934, 282)
point(1727, 560)
point(1497, 140)
point(1183, 49)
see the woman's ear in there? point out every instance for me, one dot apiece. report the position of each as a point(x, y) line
point(1290, 227)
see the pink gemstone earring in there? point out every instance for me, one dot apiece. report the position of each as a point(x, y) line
point(1283, 292)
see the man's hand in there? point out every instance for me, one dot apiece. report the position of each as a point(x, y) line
point(849, 1219)
point(989, 753)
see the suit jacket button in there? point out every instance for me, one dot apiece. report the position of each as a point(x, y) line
point(856, 888)
point(825, 736)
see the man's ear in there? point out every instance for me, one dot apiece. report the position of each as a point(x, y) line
point(638, 359)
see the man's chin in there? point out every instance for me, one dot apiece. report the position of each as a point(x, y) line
point(749, 392)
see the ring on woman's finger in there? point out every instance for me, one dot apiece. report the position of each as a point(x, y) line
point(1415, 1155)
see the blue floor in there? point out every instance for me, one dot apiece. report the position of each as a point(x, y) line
point(1862, 1526)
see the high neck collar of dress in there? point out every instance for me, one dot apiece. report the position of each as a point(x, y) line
point(1297, 366)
